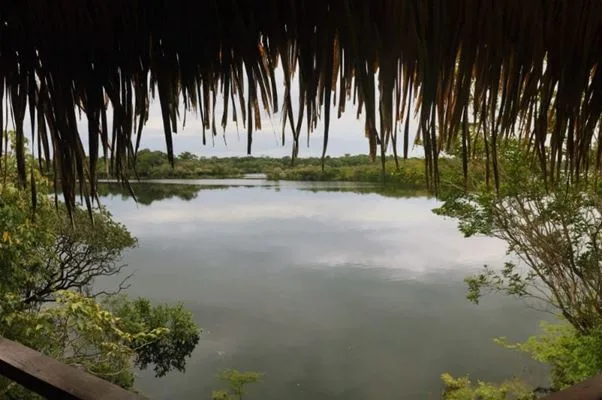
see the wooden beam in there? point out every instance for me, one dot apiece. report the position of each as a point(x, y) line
point(52, 379)
point(590, 389)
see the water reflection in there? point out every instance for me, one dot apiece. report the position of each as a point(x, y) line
point(397, 192)
point(146, 192)
point(333, 295)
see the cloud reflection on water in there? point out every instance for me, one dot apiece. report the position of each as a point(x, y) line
point(324, 228)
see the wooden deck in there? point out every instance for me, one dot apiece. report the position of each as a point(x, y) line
point(52, 379)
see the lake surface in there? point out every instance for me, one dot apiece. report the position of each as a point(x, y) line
point(332, 291)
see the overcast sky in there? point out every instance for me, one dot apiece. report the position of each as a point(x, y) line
point(346, 134)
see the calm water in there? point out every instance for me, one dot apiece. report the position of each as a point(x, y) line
point(332, 294)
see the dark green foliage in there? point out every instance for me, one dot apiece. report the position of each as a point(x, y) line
point(155, 165)
point(52, 251)
point(237, 384)
point(146, 194)
point(170, 351)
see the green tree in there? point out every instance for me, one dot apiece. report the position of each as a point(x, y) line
point(78, 332)
point(553, 234)
point(48, 260)
point(48, 263)
point(187, 156)
point(237, 382)
point(48, 251)
point(167, 352)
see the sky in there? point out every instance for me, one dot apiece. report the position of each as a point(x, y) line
point(346, 135)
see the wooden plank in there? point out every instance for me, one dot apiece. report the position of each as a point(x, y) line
point(52, 379)
point(590, 389)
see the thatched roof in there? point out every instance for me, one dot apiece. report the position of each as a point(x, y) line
point(511, 66)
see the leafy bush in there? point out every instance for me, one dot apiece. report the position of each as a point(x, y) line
point(464, 389)
point(237, 384)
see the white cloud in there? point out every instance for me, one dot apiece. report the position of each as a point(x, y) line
point(396, 234)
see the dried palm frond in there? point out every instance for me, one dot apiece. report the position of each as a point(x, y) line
point(520, 68)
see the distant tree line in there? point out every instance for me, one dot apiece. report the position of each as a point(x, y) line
point(154, 164)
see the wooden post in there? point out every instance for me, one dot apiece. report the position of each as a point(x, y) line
point(52, 379)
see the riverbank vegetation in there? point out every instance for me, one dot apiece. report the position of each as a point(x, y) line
point(553, 235)
point(53, 297)
point(351, 168)
point(237, 382)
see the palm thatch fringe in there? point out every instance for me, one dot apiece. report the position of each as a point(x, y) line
point(524, 68)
